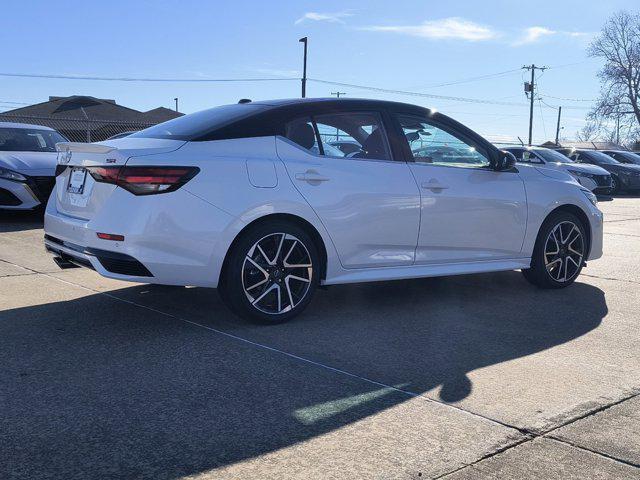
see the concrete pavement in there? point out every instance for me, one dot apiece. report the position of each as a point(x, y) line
point(460, 377)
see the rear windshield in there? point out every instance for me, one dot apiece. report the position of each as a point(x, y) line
point(29, 140)
point(196, 124)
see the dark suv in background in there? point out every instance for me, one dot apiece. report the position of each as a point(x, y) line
point(623, 176)
point(623, 156)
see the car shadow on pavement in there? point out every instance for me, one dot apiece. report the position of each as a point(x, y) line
point(94, 386)
point(18, 221)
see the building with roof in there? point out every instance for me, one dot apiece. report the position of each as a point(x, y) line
point(84, 118)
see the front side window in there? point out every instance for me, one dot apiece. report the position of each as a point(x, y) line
point(517, 152)
point(530, 157)
point(29, 140)
point(433, 145)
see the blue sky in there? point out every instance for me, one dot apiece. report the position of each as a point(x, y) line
point(402, 45)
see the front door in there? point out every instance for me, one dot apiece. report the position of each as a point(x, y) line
point(469, 211)
point(369, 203)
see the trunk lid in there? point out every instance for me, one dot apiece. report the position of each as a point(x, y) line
point(85, 202)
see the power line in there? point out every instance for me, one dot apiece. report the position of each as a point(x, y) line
point(571, 99)
point(132, 79)
point(415, 94)
point(13, 103)
point(544, 127)
point(473, 79)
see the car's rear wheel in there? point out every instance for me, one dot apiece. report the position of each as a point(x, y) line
point(271, 273)
point(560, 252)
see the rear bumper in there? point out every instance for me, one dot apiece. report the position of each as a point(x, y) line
point(112, 262)
point(169, 239)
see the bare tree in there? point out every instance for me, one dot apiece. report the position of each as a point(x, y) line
point(589, 132)
point(618, 44)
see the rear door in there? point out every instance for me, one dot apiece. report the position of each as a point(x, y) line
point(469, 211)
point(368, 202)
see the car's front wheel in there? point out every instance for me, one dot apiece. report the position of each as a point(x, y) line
point(615, 185)
point(560, 252)
point(271, 273)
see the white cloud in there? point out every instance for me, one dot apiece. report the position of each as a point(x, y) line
point(446, 28)
point(324, 17)
point(534, 34)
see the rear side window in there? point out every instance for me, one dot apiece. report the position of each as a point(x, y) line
point(362, 132)
point(302, 132)
point(195, 125)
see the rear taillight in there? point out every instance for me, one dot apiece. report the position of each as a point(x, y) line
point(144, 180)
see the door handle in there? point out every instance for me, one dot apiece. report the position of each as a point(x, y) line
point(434, 184)
point(312, 177)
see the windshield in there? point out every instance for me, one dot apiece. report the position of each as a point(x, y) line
point(600, 157)
point(29, 140)
point(630, 157)
point(553, 156)
point(193, 125)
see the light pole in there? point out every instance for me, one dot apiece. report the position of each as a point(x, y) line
point(304, 68)
point(176, 100)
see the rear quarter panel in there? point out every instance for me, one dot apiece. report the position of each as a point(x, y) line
point(246, 180)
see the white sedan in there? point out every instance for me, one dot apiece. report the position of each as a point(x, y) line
point(27, 165)
point(248, 198)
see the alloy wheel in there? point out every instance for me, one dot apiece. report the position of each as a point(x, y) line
point(277, 273)
point(564, 251)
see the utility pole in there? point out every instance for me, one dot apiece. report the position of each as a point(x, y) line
point(531, 89)
point(558, 125)
point(304, 68)
point(176, 100)
point(337, 94)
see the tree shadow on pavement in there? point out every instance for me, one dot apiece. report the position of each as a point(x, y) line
point(96, 387)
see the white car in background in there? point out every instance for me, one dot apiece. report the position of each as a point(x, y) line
point(595, 178)
point(27, 165)
point(249, 198)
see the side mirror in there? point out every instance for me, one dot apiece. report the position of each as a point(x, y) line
point(505, 161)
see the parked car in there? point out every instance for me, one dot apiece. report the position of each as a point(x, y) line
point(624, 156)
point(27, 165)
point(623, 176)
point(241, 197)
point(595, 178)
point(121, 135)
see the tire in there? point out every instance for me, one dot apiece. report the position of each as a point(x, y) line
point(271, 273)
point(559, 253)
point(615, 185)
